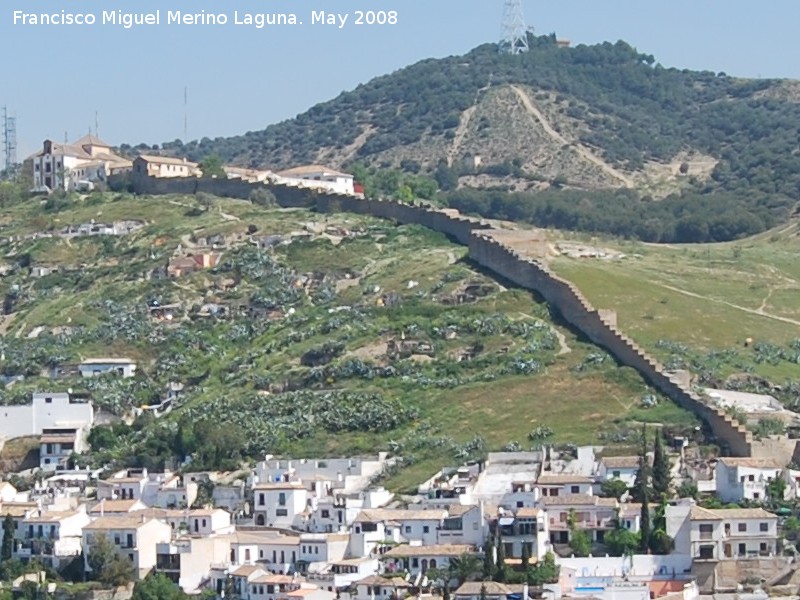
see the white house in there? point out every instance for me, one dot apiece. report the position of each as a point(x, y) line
point(559, 484)
point(47, 411)
point(720, 534)
point(92, 367)
point(57, 444)
point(527, 527)
point(123, 485)
point(594, 514)
point(188, 561)
point(278, 504)
point(740, 479)
point(53, 537)
point(318, 177)
point(376, 587)
point(276, 552)
point(464, 524)
point(372, 528)
point(417, 558)
point(134, 537)
point(73, 166)
point(146, 165)
point(623, 468)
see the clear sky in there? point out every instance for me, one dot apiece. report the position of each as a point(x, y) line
point(54, 78)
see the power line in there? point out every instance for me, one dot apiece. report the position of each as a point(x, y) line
point(514, 38)
point(9, 140)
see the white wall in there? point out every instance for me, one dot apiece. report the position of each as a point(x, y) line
point(31, 419)
point(640, 565)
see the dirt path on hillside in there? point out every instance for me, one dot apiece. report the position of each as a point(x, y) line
point(753, 311)
point(582, 152)
point(461, 133)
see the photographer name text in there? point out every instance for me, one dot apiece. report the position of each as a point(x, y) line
point(130, 20)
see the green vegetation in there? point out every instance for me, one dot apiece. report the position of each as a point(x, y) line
point(344, 338)
point(685, 218)
point(622, 105)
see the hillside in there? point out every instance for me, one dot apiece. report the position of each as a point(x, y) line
point(312, 334)
point(603, 116)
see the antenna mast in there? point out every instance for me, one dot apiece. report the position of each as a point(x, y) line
point(9, 141)
point(515, 32)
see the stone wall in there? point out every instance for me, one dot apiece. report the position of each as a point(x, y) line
point(598, 326)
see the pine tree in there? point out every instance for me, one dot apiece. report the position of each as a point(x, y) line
point(642, 481)
point(662, 478)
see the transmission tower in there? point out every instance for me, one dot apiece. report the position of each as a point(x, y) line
point(9, 140)
point(515, 32)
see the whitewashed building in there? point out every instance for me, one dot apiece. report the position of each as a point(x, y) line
point(740, 479)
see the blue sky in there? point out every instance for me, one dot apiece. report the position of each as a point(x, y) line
point(240, 79)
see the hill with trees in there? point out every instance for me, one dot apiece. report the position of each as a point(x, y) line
point(550, 124)
point(608, 102)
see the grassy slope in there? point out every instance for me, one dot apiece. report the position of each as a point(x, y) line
point(499, 408)
point(709, 297)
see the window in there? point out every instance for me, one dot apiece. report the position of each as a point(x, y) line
point(615, 474)
point(247, 553)
point(706, 529)
point(751, 478)
point(575, 489)
point(414, 563)
point(426, 529)
point(763, 527)
point(48, 400)
point(326, 514)
point(520, 503)
point(762, 547)
point(281, 512)
point(706, 552)
point(742, 549)
point(261, 499)
point(408, 528)
point(282, 499)
point(742, 527)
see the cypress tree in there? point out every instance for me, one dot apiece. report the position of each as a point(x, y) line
point(488, 560)
point(644, 525)
point(500, 572)
point(661, 473)
point(642, 481)
point(8, 537)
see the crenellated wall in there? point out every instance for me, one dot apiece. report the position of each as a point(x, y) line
point(525, 272)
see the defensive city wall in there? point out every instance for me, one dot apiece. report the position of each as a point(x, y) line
point(487, 248)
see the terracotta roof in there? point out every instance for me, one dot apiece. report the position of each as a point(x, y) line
point(744, 513)
point(108, 361)
point(115, 506)
point(388, 514)
point(562, 478)
point(132, 521)
point(90, 140)
point(378, 580)
point(166, 160)
point(577, 500)
point(527, 512)
point(620, 462)
point(17, 509)
point(50, 516)
point(248, 570)
point(272, 578)
point(476, 588)
point(57, 438)
point(698, 513)
point(279, 485)
point(310, 170)
point(433, 550)
point(457, 510)
point(755, 463)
